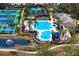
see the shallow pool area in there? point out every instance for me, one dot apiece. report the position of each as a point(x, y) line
point(45, 36)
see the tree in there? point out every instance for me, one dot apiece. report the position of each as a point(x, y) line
point(70, 8)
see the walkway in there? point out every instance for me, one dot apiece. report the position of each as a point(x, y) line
point(61, 46)
point(8, 50)
point(35, 52)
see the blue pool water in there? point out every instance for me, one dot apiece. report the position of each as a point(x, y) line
point(42, 25)
point(56, 35)
point(45, 36)
point(12, 42)
point(46, 33)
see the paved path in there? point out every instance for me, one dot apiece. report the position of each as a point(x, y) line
point(27, 52)
point(22, 14)
point(15, 50)
point(62, 46)
point(8, 50)
point(35, 52)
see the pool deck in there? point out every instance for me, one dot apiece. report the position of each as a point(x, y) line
point(40, 31)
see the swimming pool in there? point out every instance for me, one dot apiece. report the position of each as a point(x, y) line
point(6, 43)
point(42, 25)
point(45, 36)
point(43, 28)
